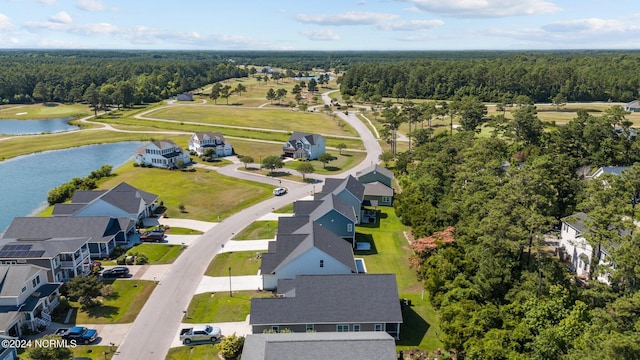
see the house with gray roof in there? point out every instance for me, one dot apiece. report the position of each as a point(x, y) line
point(632, 106)
point(611, 170)
point(213, 142)
point(331, 212)
point(378, 182)
point(104, 232)
point(304, 146)
point(375, 173)
point(27, 298)
point(349, 190)
point(331, 303)
point(64, 258)
point(310, 249)
point(122, 202)
point(364, 345)
point(162, 154)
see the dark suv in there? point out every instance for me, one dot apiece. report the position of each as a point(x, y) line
point(152, 236)
point(118, 271)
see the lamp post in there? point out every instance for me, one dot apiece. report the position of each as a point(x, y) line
point(230, 294)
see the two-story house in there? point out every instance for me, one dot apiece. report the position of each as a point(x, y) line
point(331, 212)
point(64, 258)
point(349, 190)
point(163, 154)
point(304, 146)
point(207, 142)
point(26, 298)
point(104, 232)
point(378, 182)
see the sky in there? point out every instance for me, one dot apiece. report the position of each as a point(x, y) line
point(320, 25)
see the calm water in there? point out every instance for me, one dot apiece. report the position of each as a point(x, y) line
point(25, 181)
point(27, 127)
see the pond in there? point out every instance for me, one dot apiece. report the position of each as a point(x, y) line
point(25, 181)
point(30, 127)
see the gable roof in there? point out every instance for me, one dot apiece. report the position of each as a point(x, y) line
point(577, 221)
point(289, 224)
point(312, 139)
point(98, 228)
point(317, 208)
point(349, 183)
point(39, 248)
point(377, 189)
point(14, 276)
point(330, 299)
point(207, 134)
point(122, 196)
point(320, 346)
point(289, 247)
point(613, 170)
point(373, 169)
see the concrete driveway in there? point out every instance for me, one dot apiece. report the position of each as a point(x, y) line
point(221, 283)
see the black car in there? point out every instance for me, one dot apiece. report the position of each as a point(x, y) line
point(118, 271)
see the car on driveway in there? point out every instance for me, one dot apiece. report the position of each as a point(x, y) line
point(202, 332)
point(152, 236)
point(118, 271)
point(279, 191)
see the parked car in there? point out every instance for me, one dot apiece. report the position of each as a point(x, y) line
point(152, 236)
point(118, 271)
point(279, 191)
point(80, 334)
point(200, 333)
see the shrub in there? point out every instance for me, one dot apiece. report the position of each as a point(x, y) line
point(121, 259)
point(119, 250)
point(141, 259)
point(231, 346)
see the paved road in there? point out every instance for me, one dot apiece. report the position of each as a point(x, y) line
point(155, 328)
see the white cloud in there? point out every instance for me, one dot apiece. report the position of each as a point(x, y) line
point(37, 26)
point(321, 35)
point(95, 29)
point(485, 8)
point(61, 17)
point(350, 18)
point(47, 2)
point(586, 25)
point(413, 25)
point(90, 5)
point(5, 22)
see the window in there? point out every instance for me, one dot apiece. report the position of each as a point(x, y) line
point(36, 281)
point(349, 227)
point(321, 263)
point(342, 328)
point(275, 328)
point(310, 328)
point(378, 327)
point(386, 199)
point(24, 289)
point(356, 327)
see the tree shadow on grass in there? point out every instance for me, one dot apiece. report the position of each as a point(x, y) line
point(347, 155)
point(413, 328)
point(278, 173)
point(102, 311)
point(332, 168)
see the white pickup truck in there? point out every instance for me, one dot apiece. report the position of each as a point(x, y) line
point(200, 333)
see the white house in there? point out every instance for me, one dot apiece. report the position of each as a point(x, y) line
point(162, 154)
point(201, 142)
point(26, 298)
point(304, 146)
point(632, 106)
point(185, 97)
point(577, 250)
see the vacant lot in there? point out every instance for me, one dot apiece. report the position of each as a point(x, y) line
point(240, 262)
point(220, 307)
point(261, 229)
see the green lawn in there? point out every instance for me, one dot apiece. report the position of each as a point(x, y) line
point(195, 352)
point(343, 162)
point(240, 262)
point(157, 253)
point(40, 111)
point(122, 307)
point(198, 191)
point(261, 229)
point(219, 307)
point(182, 231)
point(93, 352)
point(287, 209)
point(390, 254)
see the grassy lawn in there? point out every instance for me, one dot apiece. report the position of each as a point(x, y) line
point(241, 263)
point(390, 254)
point(261, 229)
point(40, 111)
point(122, 307)
point(343, 162)
point(182, 231)
point(196, 352)
point(219, 307)
point(84, 351)
point(157, 253)
point(287, 209)
point(196, 190)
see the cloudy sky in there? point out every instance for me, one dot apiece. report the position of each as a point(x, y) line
point(320, 25)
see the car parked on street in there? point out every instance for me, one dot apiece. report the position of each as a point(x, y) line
point(118, 271)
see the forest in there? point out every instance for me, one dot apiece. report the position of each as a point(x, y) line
point(483, 209)
point(577, 76)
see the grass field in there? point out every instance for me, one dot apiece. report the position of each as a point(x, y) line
point(343, 162)
point(40, 111)
point(220, 307)
point(123, 306)
point(194, 352)
point(240, 262)
point(157, 253)
point(196, 190)
point(261, 229)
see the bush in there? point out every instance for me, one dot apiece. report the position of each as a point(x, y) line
point(121, 259)
point(231, 346)
point(119, 250)
point(141, 259)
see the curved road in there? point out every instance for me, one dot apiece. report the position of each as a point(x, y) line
point(153, 331)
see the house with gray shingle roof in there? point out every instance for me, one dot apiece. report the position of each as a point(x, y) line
point(104, 232)
point(122, 202)
point(202, 142)
point(349, 190)
point(310, 249)
point(331, 212)
point(304, 146)
point(26, 298)
point(320, 346)
point(331, 303)
point(632, 106)
point(377, 182)
point(64, 258)
point(163, 154)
